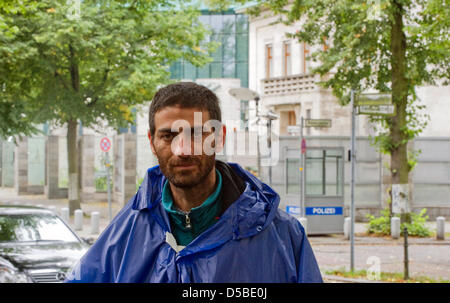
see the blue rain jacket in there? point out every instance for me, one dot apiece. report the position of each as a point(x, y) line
point(253, 241)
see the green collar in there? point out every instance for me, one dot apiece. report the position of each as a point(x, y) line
point(186, 226)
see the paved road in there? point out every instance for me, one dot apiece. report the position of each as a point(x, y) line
point(428, 257)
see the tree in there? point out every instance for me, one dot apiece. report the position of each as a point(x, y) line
point(387, 45)
point(91, 61)
point(16, 118)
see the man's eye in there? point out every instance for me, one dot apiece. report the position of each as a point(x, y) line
point(167, 137)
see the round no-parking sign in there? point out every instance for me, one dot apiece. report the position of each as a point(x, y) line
point(105, 144)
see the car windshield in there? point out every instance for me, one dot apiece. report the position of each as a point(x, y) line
point(32, 227)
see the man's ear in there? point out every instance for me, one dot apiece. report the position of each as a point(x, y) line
point(151, 142)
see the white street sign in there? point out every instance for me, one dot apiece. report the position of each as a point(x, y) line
point(374, 99)
point(293, 129)
point(317, 122)
point(376, 109)
point(400, 194)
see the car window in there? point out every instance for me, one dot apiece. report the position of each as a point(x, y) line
point(19, 228)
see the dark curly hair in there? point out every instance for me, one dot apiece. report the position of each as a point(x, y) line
point(186, 95)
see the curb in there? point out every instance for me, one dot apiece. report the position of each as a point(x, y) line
point(438, 242)
point(332, 278)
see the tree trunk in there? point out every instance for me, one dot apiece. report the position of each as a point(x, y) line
point(398, 123)
point(72, 150)
point(72, 147)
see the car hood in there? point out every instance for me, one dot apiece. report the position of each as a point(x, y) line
point(26, 256)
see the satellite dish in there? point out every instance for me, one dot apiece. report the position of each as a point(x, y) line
point(243, 93)
point(254, 121)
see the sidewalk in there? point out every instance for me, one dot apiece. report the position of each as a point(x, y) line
point(8, 196)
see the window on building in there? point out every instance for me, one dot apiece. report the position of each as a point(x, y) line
point(230, 60)
point(308, 116)
point(326, 44)
point(287, 118)
point(286, 58)
point(291, 118)
point(305, 57)
point(269, 61)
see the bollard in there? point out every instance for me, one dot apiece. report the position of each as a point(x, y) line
point(304, 222)
point(65, 214)
point(95, 219)
point(347, 227)
point(406, 257)
point(440, 228)
point(395, 227)
point(78, 219)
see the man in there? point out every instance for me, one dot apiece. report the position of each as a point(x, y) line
point(196, 219)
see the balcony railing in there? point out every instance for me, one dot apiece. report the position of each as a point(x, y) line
point(289, 84)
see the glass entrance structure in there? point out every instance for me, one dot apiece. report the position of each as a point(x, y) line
point(324, 188)
point(230, 60)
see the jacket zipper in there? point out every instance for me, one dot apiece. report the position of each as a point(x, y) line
point(188, 221)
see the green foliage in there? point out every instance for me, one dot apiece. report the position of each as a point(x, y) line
point(382, 225)
point(384, 276)
point(101, 184)
point(60, 64)
point(417, 226)
point(138, 183)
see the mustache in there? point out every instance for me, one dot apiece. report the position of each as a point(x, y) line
point(184, 162)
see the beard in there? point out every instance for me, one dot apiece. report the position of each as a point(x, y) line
point(186, 178)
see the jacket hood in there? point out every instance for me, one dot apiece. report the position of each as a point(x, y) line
point(251, 213)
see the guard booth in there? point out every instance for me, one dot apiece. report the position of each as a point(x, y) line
point(324, 188)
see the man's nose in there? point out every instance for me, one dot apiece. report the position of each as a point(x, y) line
point(181, 145)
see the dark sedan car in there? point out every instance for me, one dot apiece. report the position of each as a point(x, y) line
point(36, 246)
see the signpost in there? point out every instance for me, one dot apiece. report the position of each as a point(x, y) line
point(352, 187)
point(318, 123)
point(105, 145)
point(377, 104)
point(374, 99)
point(302, 169)
point(322, 123)
point(381, 110)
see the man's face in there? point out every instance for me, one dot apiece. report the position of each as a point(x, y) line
point(179, 145)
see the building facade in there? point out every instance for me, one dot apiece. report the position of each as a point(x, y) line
point(280, 72)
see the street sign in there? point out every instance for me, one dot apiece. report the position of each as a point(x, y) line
point(400, 194)
point(374, 99)
point(383, 110)
point(317, 122)
point(303, 146)
point(293, 210)
point(105, 144)
point(324, 211)
point(293, 129)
